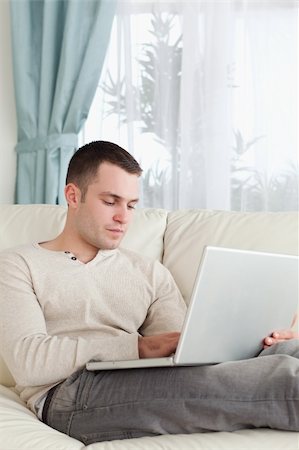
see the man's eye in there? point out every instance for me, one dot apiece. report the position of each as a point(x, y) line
point(131, 206)
point(108, 203)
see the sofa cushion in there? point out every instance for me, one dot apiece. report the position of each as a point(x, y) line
point(261, 439)
point(189, 231)
point(146, 233)
point(22, 224)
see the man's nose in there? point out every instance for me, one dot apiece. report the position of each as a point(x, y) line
point(121, 215)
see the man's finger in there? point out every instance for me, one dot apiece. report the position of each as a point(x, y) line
point(284, 334)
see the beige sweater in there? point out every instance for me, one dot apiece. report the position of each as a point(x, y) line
point(58, 313)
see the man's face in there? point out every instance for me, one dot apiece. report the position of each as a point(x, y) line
point(103, 218)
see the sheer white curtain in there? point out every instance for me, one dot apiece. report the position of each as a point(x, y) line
point(204, 94)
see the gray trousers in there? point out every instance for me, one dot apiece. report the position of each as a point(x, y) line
point(120, 404)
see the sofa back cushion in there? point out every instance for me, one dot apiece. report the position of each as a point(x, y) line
point(188, 232)
point(22, 224)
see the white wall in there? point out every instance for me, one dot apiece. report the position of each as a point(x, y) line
point(8, 126)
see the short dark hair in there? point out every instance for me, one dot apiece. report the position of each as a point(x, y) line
point(85, 162)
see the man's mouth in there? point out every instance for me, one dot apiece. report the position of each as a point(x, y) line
point(116, 230)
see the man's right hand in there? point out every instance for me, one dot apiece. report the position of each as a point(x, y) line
point(158, 346)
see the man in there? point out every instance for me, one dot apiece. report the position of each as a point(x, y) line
point(81, 297)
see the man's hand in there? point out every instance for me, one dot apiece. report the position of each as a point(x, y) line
point(280, 336)
point(158, 346)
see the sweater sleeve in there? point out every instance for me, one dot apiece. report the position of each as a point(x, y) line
point(34, 357)
point(168, 309)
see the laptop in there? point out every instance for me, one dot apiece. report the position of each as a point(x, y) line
point(239, 297)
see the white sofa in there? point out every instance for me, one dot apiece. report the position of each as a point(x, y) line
point(177, 239)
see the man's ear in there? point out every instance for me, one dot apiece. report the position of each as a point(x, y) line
point(72, 195)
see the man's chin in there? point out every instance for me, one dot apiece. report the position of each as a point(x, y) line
point(112, 244)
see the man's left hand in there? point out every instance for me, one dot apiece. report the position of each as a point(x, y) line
point(280, 336)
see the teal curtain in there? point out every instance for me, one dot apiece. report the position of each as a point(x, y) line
point(58, 52)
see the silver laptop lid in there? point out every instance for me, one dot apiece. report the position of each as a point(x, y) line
point(239, 297)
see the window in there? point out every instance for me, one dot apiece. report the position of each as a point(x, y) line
point(204, 95)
